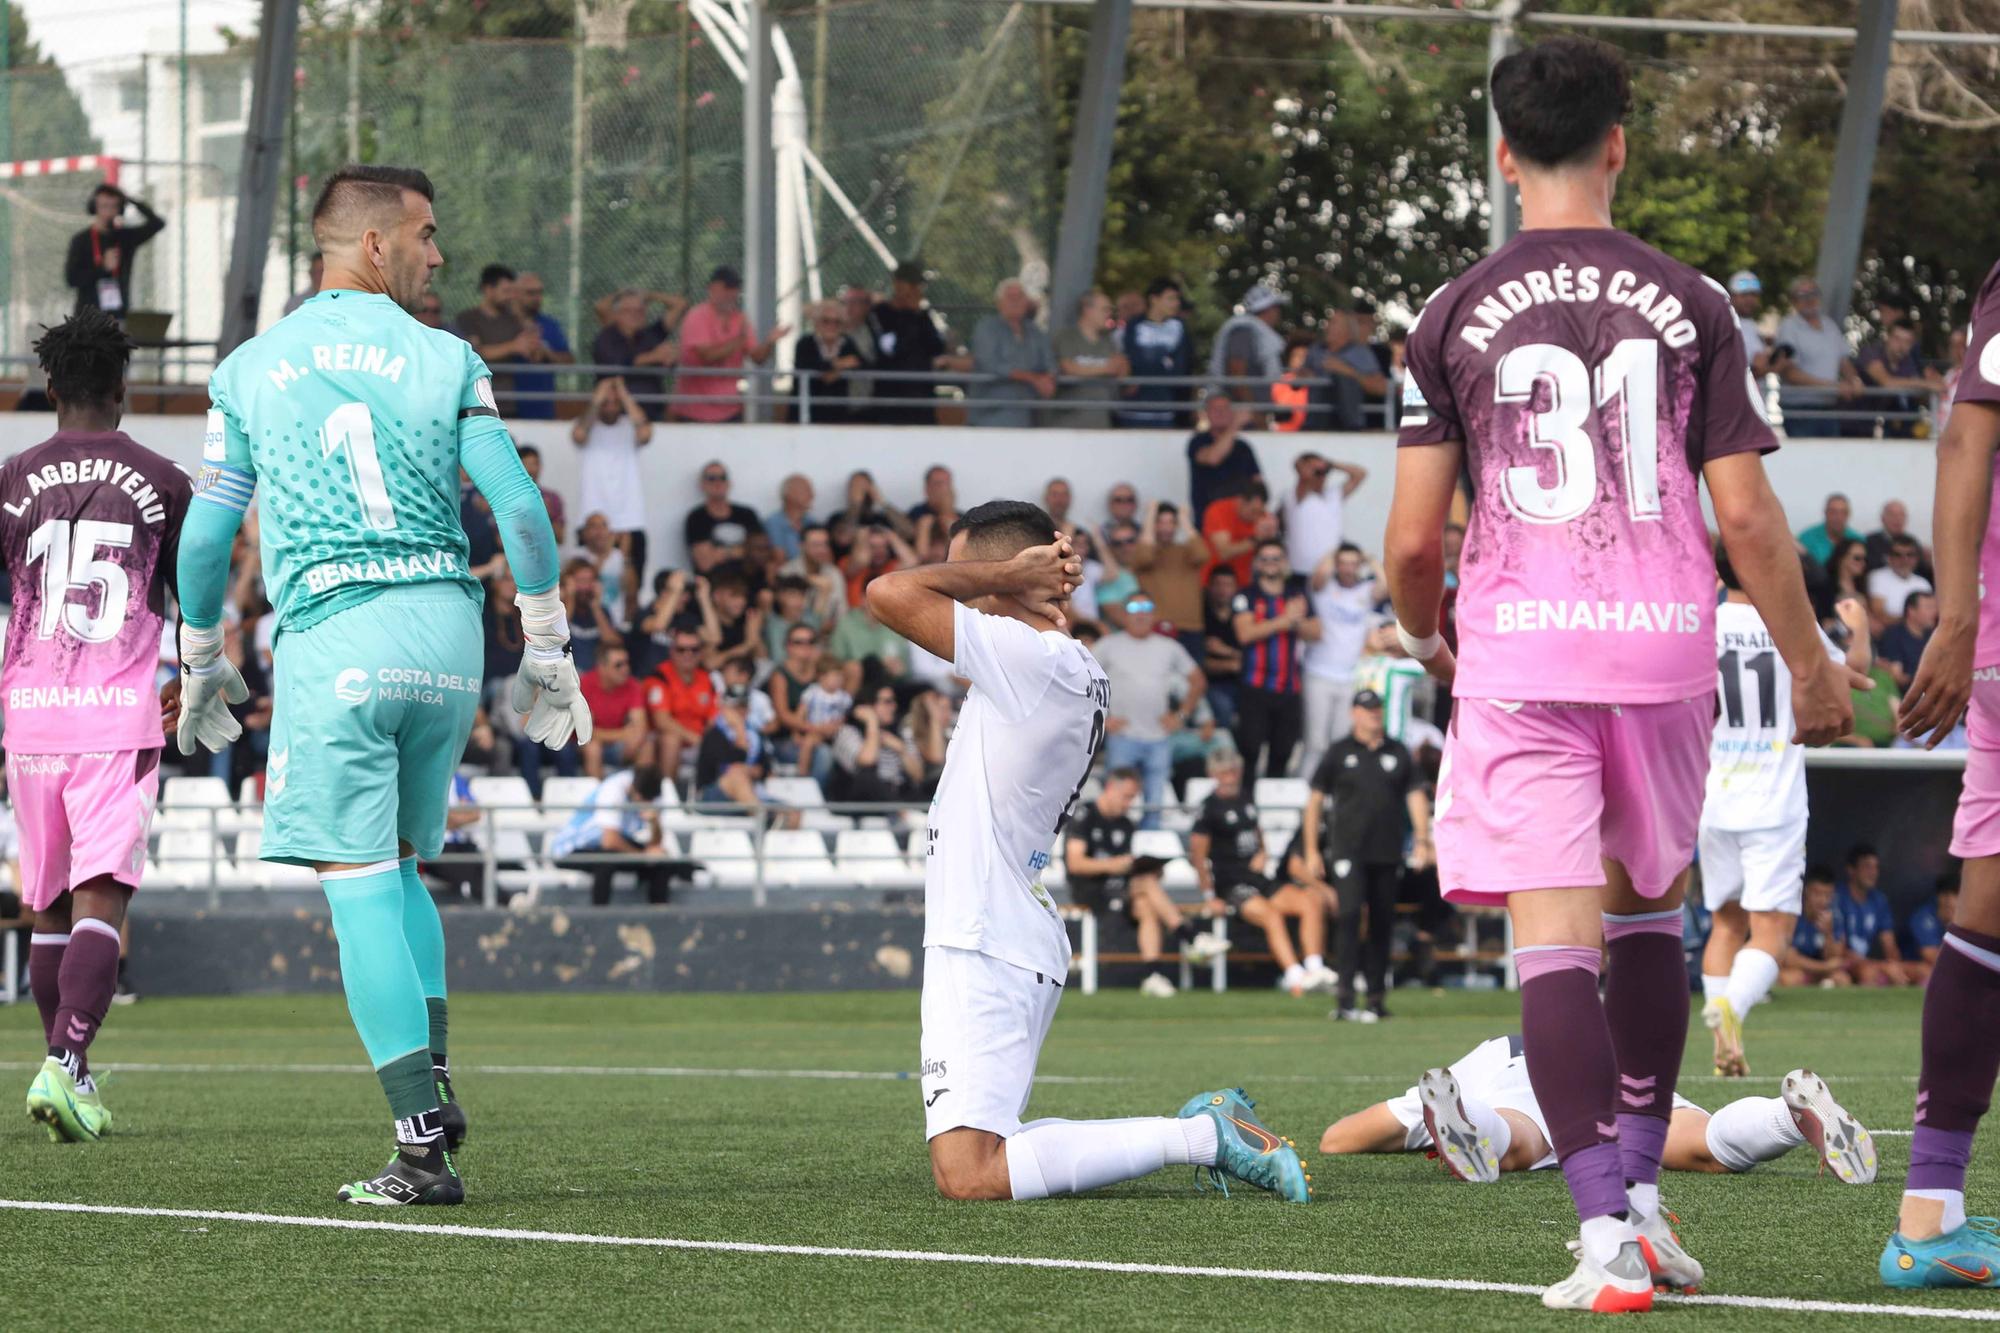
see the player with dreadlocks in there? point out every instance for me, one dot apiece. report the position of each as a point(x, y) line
point(90, 525)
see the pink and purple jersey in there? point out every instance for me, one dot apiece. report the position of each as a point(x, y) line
point(90, 525)
point(1589, 377)
point(1979, 382)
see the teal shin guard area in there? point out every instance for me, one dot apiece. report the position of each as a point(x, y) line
point(385, 994)
point(424, 934)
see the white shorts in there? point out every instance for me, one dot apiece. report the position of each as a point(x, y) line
point(984, 1023)
point(1764, 869)
point(1496, 1073)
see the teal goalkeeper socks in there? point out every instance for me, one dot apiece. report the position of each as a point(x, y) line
point(385, 993)
point(424, 933)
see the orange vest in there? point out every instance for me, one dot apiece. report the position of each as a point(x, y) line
point(1291, 393)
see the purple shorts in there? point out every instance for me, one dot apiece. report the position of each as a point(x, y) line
point(1540, 795)
point(81, 816)
point(1975, 831)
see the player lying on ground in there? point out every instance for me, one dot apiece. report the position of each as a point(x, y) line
point(996, 952)
point(1481, 1118)
point(88, 523)
point(355, 419)
point(1753, 818)
point(1588, 385)
point(1934, 1244)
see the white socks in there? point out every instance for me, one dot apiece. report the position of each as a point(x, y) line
point(1315, 962)
point(1714, 988)
point(1753, 1130)
point(1071, 1156)
point(1603, 1235)
point(1751, 977)
point(1954, 1206)
point(1643, 1200)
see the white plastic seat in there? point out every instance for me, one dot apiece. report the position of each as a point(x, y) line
point(269, 874)
point(1278, 824)
point(1282, 793)
point(1166, 844)
point(186, 791)
point(184, 857)
point(800, 793)
point(1181, 817)
point(1056, 874)
point(872, 857)
point(728, 855)
point(508, 798)
point(563, 797)
point(793, 857)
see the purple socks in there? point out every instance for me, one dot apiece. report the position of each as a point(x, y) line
point(88, 976)
point(1646, 1008)
point(45, 956)
point(1961, 1055)
point(1573, 1069)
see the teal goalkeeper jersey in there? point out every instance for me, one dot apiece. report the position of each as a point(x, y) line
point(344, 417)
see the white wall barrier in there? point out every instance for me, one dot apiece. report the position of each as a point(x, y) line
point(1018, 463)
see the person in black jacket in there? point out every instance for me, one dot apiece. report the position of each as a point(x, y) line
point(823, 354)
point(99, 266)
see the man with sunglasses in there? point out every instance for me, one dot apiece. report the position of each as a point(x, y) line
point(717, 528)
point(680, 700)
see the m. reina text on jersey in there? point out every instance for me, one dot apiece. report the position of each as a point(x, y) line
point(90, 471)
point(1585, 284)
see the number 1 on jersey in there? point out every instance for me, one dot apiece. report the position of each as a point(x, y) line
point(351, 429)
point(1631, 377)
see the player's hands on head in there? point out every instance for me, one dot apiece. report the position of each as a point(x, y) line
point(1942, 688)
point(1823, 703)
point(210, 683)
point(1041, 578)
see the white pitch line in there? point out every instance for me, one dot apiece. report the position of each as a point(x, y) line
point(620, 1071)
point(1779, 1304)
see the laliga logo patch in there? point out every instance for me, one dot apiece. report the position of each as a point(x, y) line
point(484, 388)
point(351, 686)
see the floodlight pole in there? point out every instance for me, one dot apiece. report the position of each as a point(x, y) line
point(1854, 155)
point(263, 159)
point(1503, 204)
point(1090, 160)
point(760, 189)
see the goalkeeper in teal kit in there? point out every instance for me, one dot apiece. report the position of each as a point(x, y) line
point(349, 422)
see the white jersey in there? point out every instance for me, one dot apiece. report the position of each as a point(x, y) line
point(1027, 733)
point(1756, 776)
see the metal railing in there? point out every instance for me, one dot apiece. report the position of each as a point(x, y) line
point(516, 840)
point(764, 389)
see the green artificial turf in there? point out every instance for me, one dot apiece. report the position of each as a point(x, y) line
point(840, 1162)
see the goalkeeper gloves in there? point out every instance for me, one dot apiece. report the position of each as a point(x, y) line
point(546, 687)
point(209, 684)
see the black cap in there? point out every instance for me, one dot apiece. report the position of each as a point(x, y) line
point(726, 275)
point(1367, 699)
point(1361, 305)
point(910, 270)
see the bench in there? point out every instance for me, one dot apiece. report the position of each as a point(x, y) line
point(1089, 959)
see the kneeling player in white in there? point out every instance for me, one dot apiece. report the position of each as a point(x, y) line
point(1752, 846)
point(1481, 1118)
point(996, 953)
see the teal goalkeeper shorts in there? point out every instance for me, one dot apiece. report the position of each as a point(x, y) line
point(373, 706)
